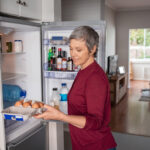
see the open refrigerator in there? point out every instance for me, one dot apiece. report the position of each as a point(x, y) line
point(28, 69)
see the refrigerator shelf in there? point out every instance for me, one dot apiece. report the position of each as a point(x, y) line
point(12, 53)
point(55, 42)
point(9, 76)
point(70, 75)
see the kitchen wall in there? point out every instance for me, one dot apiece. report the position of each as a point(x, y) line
point(126, 20)
point(110, 17)
point(80, 10)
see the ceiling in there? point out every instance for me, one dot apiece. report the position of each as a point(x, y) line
point(129, 4)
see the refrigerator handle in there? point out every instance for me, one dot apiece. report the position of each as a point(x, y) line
point(11, 145)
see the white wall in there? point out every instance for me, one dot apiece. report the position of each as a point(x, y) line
point(79, 10)
point(125, 21)
point(110, 31)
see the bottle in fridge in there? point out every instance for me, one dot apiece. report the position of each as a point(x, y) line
point(63, 99)
point(59, 59)
point(13, 92)
point(54, 59)
point(55, 98)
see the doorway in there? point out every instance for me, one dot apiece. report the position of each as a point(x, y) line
point(139, 56)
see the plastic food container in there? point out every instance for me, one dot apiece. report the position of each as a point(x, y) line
point(20, 113)
point(18, 46)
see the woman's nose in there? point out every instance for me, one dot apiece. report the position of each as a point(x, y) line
point(72, 53)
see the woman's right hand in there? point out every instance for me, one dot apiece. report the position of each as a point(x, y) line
point(51, 113)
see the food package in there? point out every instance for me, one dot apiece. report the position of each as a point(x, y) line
point(23, 111)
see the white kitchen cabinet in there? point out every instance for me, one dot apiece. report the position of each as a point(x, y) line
point(51, 10)
point(23, 8)
point(32, 9)
point(9, 7)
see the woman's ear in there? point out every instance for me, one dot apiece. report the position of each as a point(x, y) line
point(93, 51)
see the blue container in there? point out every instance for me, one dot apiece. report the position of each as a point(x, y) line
point(63, 92)
point(13, 92)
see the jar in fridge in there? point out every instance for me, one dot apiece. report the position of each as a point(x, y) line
point(18, 46)
point(55, 98)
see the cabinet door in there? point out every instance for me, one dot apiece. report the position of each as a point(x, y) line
point(31, 9)
point(9, 7)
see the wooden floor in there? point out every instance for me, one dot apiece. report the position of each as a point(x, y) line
point(131, 115)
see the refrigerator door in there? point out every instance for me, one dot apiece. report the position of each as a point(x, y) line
point(60, 30)
point(22, 68)
point(54, 35)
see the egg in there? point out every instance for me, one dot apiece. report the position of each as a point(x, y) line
point(26, 104)
point(41, 104)
point(30, 102)
point(18, 103)
point(22, 101)
point(35, 105)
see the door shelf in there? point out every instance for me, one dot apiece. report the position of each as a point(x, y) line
point(55, 43)
point(9, 76)
point(60, 74)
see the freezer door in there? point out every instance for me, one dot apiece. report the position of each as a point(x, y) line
point(35, 140)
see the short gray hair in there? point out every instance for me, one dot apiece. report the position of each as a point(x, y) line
point(87, 34)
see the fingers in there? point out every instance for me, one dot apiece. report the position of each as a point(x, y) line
point(38, 116)
point(47, 106)
point(49, 113)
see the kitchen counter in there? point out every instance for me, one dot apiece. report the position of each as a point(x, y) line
point(131, 115)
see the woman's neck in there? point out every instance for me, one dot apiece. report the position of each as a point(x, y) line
point(88, 62)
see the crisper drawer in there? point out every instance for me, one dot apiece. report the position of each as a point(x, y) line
point(35, 139)
point(20, 128)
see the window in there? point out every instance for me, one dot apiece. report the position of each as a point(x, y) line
point(139, 43)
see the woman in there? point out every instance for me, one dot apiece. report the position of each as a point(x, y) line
point(88, 99)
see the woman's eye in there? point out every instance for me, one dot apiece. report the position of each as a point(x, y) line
point(78, 50)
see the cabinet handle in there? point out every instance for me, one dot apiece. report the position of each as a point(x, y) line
point(18, 2)
point(24, 4)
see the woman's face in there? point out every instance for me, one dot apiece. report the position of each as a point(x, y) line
point(79, 52)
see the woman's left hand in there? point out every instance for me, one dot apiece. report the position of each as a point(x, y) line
point(50, 114)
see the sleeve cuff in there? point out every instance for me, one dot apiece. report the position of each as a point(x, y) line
point(92, 123)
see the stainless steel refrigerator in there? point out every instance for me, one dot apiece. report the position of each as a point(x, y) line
point(29, 70)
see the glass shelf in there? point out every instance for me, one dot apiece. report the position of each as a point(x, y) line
point(69, 75)
point(9, 76)
point(12, 53)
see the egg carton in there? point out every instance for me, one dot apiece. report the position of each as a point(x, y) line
point(20, 113)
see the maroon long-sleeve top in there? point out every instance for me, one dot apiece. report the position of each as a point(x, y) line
point(89, 97)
